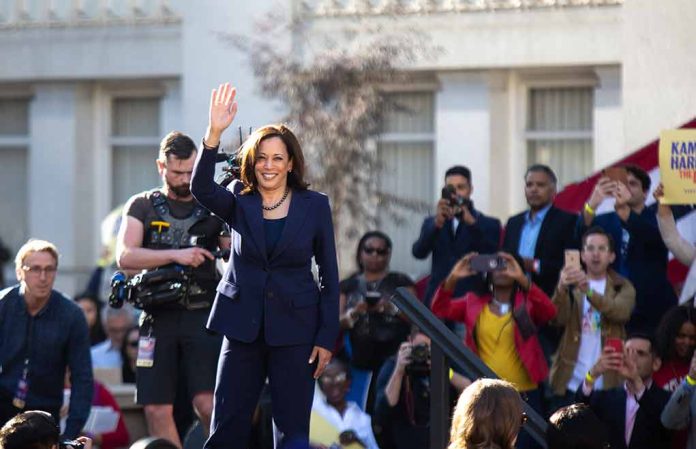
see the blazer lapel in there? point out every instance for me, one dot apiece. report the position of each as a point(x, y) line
point(297, 214)
point(253, 214)
point(544, 231)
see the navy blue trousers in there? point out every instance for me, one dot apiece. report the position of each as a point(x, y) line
point(241, 374)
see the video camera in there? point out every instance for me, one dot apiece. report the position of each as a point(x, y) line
point(157, 288)
point(233, 168)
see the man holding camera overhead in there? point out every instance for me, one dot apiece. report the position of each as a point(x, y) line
point(166, 231)
point(457, 228)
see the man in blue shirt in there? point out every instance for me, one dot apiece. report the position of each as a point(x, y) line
point(540, 235)
point(42, 333)
point(455, 231)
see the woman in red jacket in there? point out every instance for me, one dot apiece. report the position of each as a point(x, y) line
point(501, 324)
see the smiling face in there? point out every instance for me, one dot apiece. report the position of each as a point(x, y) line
point(272, 164)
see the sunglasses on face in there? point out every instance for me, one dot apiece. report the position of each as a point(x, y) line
point(333, 380)
point(133, 344)
point(380, 251)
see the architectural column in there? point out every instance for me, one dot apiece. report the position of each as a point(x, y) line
point(608, 142)
point(60, 182)
point(463, 131)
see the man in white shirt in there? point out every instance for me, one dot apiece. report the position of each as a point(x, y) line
point(351, 423)
point(117, 322)
point(593, 305)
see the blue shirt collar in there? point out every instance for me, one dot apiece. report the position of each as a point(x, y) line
point(539, 216)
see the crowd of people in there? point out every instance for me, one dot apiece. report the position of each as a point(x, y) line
point(574, 313)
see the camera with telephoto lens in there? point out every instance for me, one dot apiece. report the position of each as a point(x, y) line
point(71, 444)
point(456, 202)
point(420, 361)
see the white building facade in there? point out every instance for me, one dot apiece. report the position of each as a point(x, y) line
point(88, 88)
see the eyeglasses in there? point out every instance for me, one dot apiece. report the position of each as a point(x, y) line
point(380, 251)
point(38, 271)
point(333, 380)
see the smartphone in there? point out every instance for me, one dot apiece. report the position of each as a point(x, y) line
point(572, 258)
point(483, 263)
point(616, 174)
point(615, 343)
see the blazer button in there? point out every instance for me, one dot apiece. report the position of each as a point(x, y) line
point(270, 294)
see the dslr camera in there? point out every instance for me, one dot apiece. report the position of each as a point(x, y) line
point(456, 202)
point(420, 361)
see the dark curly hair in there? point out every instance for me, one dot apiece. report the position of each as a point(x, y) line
point(668, 329)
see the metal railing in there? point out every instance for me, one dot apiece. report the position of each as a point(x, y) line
point(447, 347)
point(332, 8)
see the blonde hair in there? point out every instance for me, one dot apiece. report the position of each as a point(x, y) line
point(488, 415)
point(35, 246)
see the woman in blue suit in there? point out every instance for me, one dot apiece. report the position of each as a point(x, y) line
point(277, 322)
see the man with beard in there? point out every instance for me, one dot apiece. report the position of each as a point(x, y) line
point(166, 229)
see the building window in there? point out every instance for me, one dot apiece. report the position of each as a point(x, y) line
point(559, 131)
point(14, 145)
point(135, 136)
point(405, 150)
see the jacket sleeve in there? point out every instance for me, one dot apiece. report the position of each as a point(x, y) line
point(563, 302)
point(444, 307)
point(676, 414)
point(682, 250)
point(80, 363)
point(426, 240)
point(616, 308)
point(542, 309)
point(325, 256)
point(211, 195)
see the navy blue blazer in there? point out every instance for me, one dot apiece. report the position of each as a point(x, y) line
point(557, 234)
point(447, 248)
point(276, 292)
point(648, 431)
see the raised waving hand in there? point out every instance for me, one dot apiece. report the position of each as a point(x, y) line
point(223, 108)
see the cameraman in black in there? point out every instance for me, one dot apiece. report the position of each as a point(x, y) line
point(163, 230)
point(457, 228)
point(403, 395)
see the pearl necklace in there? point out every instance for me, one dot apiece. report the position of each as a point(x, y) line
point(276, 205)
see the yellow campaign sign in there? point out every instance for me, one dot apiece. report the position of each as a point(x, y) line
point(678, 165)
